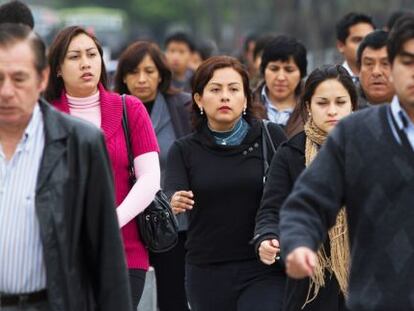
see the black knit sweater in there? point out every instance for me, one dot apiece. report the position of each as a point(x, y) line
point(363, 167)
point(227, 182)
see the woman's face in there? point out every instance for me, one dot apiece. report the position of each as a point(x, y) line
point(81, 67)
point(144, 80)
point(281, 79)
point(329, 104)
point(223, 99)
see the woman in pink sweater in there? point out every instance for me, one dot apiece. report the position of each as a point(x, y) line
point(77, 85)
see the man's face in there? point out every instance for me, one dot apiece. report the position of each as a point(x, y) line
point(178, 55)
point(20, 84)
point(349, 48)
point(374, 75)
point(402, 74)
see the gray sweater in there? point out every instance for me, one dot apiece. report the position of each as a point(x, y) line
point(363, 167)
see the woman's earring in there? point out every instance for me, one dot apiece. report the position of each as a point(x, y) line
point(201, 111)
point(244, 111)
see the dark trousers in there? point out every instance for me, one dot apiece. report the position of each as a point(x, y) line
point(236, 286)
point(39, 306)
point(136, 282)
point(169, 272)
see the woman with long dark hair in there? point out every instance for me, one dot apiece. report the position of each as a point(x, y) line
point(77, 86)
point(215, 175)
point(329, 95)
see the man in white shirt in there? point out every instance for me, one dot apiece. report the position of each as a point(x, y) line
point(350, 31)
point(60, 245)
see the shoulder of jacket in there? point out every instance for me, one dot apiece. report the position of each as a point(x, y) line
point(85, 130)
point(179, 99)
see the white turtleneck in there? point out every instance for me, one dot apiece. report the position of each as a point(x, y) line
point(86, 108)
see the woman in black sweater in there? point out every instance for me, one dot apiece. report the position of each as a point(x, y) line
point(329, 95)
point(216, 177)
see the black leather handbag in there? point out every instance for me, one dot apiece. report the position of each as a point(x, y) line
point(157, 224)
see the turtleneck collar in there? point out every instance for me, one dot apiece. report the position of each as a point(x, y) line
point(83, 102)
point(233, 137)
point(87, 108)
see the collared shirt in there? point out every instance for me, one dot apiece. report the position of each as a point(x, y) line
point(354, 77)
point(274, 115)
point(22, 267)
point(403, 121)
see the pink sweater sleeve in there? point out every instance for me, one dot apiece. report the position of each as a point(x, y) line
point(147, 170)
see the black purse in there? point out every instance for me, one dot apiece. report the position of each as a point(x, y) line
point(157, 224)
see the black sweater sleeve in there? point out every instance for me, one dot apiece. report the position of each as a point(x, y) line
point(317, 197)
point(176, 176)
point(278, 186)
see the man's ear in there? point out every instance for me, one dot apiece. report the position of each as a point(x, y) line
point(340, 46)
point(44, 79)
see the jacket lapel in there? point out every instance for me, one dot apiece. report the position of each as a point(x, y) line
point(55, 143)
point(160, 114)
point(179, 108)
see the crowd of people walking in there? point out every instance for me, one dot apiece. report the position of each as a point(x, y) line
point(291, 191)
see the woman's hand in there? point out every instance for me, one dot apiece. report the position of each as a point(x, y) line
point(268, 251)
point(181, 201)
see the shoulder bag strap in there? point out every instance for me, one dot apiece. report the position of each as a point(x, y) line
point(265, 139)
point(125, 126)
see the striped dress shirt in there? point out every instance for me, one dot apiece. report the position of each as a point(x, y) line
point(279, 117)
point(22, 267)
point(403, 121)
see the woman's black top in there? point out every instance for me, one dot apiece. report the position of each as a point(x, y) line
point(227, 182)
point(286, 166)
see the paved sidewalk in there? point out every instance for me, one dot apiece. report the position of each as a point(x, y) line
point(148, 301)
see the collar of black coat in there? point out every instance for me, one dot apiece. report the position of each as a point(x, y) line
point(56, 133)
point(297, 142)
point(54, 129)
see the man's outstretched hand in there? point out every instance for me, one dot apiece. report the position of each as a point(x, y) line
point(300, 263)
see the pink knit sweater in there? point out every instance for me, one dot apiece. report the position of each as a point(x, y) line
point(143, 140)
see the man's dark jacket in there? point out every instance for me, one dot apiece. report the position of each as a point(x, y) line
point(83, 251)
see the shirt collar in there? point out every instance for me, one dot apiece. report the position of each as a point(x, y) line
point(31, 127)
point(346, 66)
point(400, 115)
point(268, 103)
point(265, 98)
